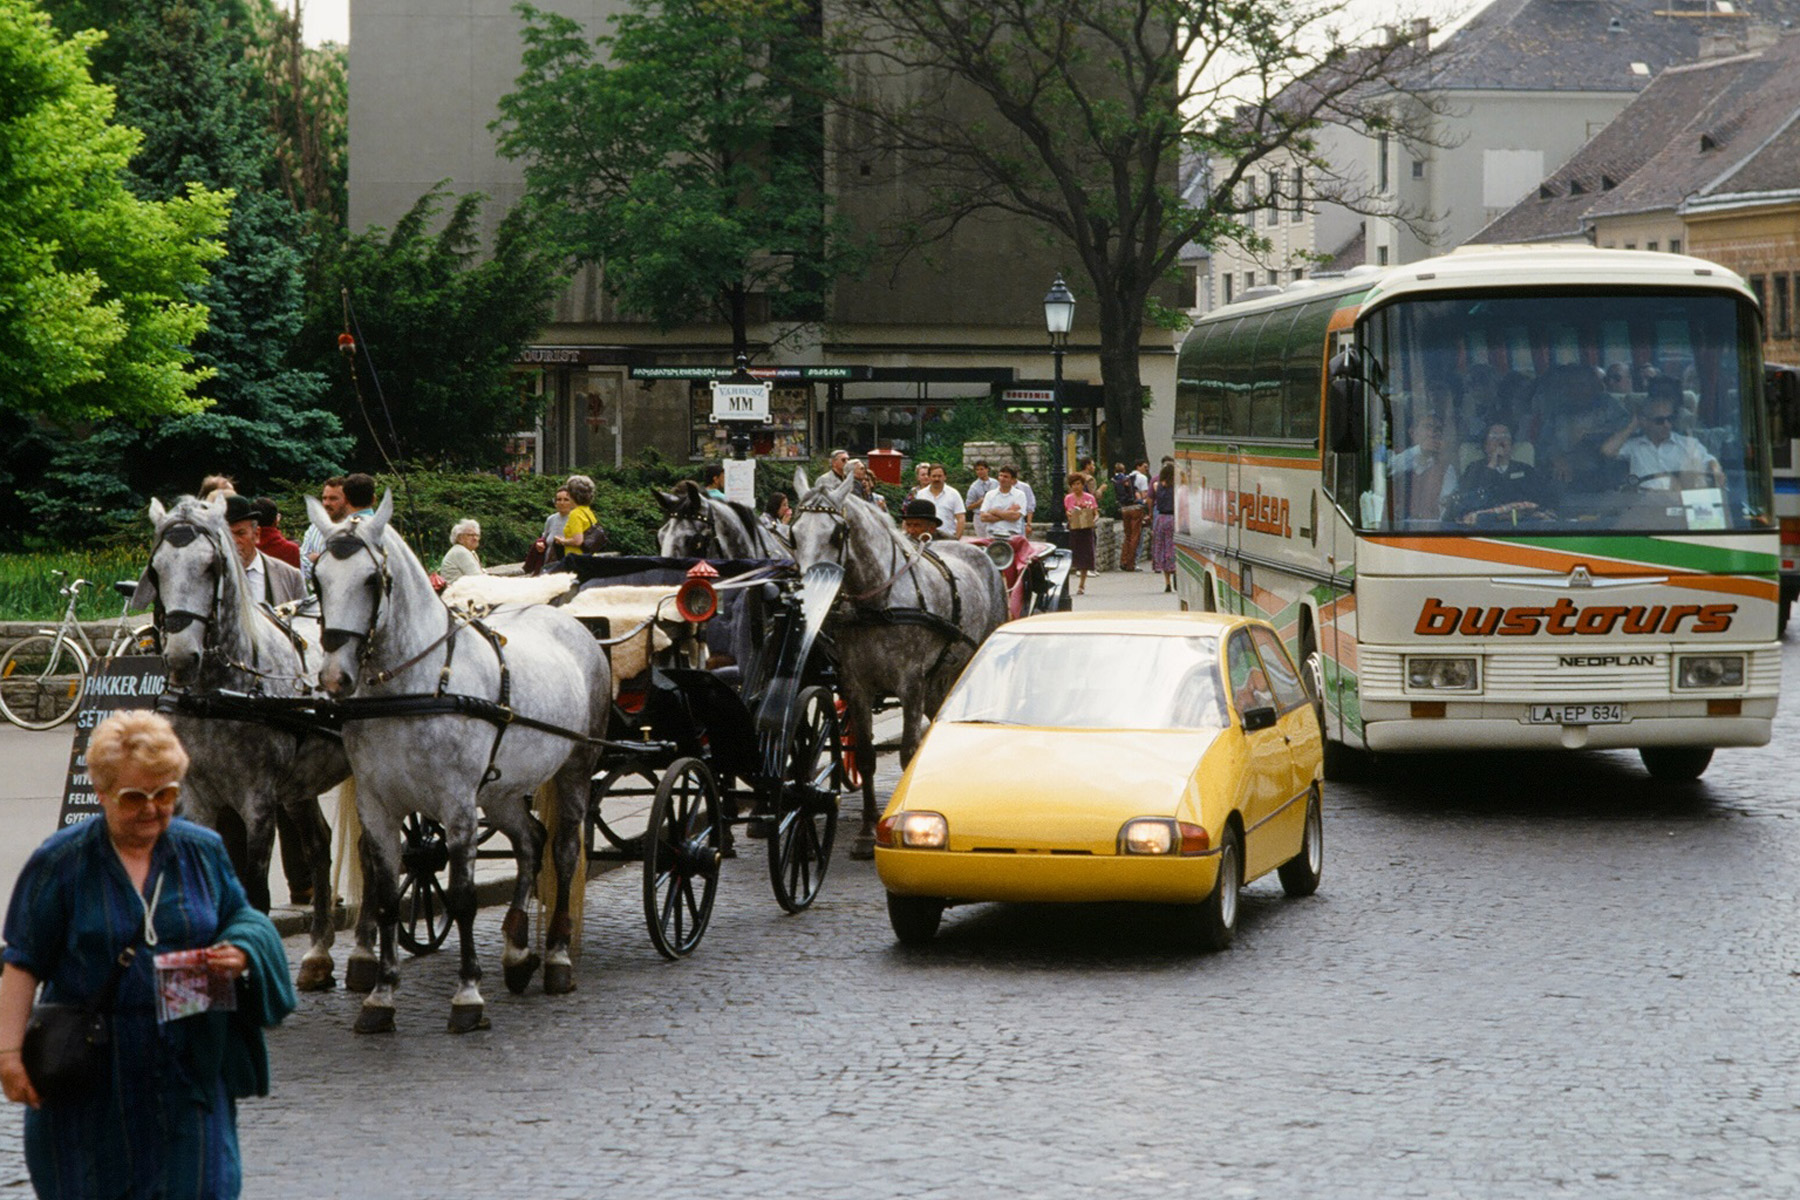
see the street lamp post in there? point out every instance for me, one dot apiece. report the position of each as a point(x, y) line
point(1059, 316)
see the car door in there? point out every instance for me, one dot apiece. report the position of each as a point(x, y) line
point(1268, 766)
point(1299, 725)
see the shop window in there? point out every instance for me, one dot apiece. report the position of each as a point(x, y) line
point(785, 436)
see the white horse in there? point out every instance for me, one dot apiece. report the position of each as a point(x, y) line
point(906, 616)
point(700, 526)
point(451, 716)
point(216, 640)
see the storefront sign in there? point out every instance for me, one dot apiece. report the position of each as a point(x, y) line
point(740, 402)
point(781, 373)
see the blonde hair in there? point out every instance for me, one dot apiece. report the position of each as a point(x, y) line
point(135, 735)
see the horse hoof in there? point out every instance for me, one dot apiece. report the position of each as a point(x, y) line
point(315, 976)
point(518, 974)
point(375, 1018)
point(863, 849)
point(467, 1018)
point(362, 974)
point(559, 979)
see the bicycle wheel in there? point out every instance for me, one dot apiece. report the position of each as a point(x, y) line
point(41, 681)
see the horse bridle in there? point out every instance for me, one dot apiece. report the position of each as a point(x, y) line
point(180, 534)
point(839, 533)
point(343, 547)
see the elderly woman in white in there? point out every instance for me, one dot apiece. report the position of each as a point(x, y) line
point(465, 539)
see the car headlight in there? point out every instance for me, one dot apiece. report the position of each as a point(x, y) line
point(1709, 670)
point(1160, 835)
point(1442, 674)
point(913, 829)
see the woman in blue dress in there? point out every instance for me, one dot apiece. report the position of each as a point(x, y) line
point(165, 1123)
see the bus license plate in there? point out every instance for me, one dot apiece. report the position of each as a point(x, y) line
point(1575, 714)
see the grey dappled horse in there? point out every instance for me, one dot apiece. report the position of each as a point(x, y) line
point(216, 640)
point(907, 618)
point(387, 635)
point(702, 527)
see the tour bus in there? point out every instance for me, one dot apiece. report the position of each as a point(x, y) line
point(1507, 497)
point(1781, 388)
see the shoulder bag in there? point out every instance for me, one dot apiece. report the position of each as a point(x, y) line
point(67, 1049)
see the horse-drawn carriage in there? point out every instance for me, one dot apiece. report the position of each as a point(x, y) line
point(728, 719)
point(752, 716)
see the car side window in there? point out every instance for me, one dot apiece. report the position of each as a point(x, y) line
point(1286, 681)
point(1249, 684)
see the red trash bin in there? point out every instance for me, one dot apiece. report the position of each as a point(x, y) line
point(885, 466)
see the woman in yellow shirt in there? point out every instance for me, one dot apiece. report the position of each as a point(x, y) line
point(581, 517)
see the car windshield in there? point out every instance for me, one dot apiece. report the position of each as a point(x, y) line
point(1081, 680)
point(1588, 412)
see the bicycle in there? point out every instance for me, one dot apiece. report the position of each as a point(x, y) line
point(44, 676)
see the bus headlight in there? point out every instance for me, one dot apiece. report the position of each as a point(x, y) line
point(1442, 675)
point(1709, 670)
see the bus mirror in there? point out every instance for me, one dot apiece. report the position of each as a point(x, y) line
point(1344, 405)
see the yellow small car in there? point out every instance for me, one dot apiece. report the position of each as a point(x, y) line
point(1167, 758)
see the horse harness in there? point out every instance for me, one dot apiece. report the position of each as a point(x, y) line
point(441, 702)
point(950, 630)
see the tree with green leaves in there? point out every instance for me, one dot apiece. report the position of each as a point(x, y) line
point(309, 111)
point(437, 327)
point(193, 88)
point(683, 151)
point(1079, 115)
point(96, 303)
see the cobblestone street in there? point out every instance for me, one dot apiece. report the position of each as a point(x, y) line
point(1523, 976)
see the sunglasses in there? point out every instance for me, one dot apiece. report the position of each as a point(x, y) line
point(163, 797)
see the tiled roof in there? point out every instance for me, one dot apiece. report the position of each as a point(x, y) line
point(1718, 142)
point(1587, 45)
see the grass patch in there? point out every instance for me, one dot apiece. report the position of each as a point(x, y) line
point(28, 591)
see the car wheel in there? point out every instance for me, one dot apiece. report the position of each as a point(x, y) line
point(1675, 764)
point(1215, 920)
point(914, 918)
point(1300, 874)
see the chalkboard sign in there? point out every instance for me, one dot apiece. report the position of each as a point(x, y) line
point(130, 681)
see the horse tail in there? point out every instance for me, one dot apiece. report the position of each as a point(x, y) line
point(346, 858)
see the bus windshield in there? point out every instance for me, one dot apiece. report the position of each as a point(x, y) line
point(1569, 412)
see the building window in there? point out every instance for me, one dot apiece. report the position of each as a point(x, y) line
point(1382, 183)
point(1783, 314)
point(1651, 246)
point(1631, 245)
point(1299, 274)
point(1299, 195)
point(1674, 245)
point(1381, 256)
point(1274, 198)
point(1761, 289)
point(1249, 280)
point(1273, 282)
point(1418, 168)
point(1227, 287)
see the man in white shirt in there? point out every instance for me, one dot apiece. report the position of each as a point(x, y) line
point(1660, 458)
point(949, 505)
point(978, 491)
point(1003, 510)
point(331, 495)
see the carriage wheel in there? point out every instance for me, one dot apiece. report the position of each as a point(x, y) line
point(800, 848)
point(619, 809)
point(849, 775)
point(424, 909)
point(681, 857)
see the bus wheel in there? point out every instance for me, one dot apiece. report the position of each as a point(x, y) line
point(1675, 764)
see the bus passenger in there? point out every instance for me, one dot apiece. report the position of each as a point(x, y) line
point(1498, 488)
point(1423, 474)
point(1659, 458)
